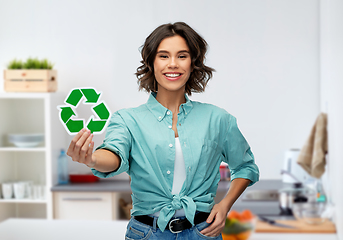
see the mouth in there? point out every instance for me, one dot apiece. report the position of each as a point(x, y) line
point(172, 76)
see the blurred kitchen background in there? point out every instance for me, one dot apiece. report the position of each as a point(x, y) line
point(278, 66)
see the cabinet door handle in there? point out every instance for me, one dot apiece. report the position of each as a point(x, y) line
point(82, 199)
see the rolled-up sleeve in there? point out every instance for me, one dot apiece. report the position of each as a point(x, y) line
point(238, 154)
point(117, 140)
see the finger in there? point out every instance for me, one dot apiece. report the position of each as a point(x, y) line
point(81, 142)
point(74, 141)
point(218, 227)
point(213, 228)
point(209, 220)
point(89, 153)
point(207, 230)
point(215, 232)
point(211, 217)
point(90, 150)
point(84, 148)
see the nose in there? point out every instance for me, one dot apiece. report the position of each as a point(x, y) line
point(172, 63)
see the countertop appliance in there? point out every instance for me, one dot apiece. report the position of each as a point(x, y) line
point(290, 165)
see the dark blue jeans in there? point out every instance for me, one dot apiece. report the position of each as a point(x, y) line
point(140, 231)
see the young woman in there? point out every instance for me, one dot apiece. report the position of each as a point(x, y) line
point(171, 146)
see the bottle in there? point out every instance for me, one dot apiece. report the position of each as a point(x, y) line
point(223, 170)
point(321, 197)
point(63, 177)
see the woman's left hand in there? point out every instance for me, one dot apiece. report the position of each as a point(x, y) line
point(218, 214)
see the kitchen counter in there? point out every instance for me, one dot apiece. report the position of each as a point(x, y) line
point(36, 229)
point(112, 186)
point(124, 186)
point(261, 207)
point(269, 208)
point(100, 186)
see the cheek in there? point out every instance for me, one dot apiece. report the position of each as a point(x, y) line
point(189, 68)
point(155, 70)
point(158, 66)
point(155, 66)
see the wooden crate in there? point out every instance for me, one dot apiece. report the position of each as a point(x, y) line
point(27, 80)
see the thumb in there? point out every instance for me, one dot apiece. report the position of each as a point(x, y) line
point(211, 217)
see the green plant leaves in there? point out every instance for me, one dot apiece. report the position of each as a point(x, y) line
point(233, 226)
point(15, 64)
point(31, 63)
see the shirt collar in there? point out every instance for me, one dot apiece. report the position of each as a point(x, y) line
point(160, 111)
point(187, 106)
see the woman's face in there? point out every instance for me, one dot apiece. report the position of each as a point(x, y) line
point(172, 65)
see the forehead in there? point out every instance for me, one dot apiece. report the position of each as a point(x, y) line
point(173, 44)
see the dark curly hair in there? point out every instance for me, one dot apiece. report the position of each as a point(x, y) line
point(201, 73)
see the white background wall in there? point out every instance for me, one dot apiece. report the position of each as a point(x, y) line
point(331, 52)
point(266, 54)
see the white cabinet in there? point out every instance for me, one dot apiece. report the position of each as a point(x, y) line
point(23, 113)
point(86, 205)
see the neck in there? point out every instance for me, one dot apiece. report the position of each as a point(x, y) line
point(171, 100)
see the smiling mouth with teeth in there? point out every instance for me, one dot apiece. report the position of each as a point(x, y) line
point(172, 74)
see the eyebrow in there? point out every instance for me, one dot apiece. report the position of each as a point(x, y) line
point(182, 51)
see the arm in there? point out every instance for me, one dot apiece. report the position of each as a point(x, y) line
point(220, 210)
point(81, 150)
point(105, 161)
point(244, 172)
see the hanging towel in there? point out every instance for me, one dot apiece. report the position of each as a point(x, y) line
point(312, 155)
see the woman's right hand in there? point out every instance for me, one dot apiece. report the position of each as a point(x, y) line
point(81, 148)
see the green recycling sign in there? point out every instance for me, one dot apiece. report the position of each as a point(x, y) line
point(95, 124)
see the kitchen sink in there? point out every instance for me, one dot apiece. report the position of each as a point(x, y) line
point(261, 195)
point(264, 202)
point(262, 199)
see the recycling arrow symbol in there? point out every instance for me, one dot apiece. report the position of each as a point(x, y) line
point(68, 111)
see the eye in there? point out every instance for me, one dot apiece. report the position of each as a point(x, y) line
point(163, 56)
point(183, 56)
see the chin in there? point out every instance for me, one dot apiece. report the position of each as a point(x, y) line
point(174, 89)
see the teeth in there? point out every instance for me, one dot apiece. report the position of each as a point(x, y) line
point(173, 74)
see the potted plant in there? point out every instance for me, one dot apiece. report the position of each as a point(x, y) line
point(239, 225)
point(34, 75)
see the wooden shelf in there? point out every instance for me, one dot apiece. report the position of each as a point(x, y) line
point(23, 95)
point(12, 200)
point(16, 149)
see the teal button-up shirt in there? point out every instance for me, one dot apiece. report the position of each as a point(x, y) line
point(144, 140)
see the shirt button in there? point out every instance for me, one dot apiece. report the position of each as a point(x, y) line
point(179, 124)
point(170, 145)
point(170, 126)
point(168, 172)
point(168, 113)
point(189, 168)
point(159, 117)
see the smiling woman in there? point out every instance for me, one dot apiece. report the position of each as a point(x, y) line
point(172, 65)
point(172, 147)
point(193, 45)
